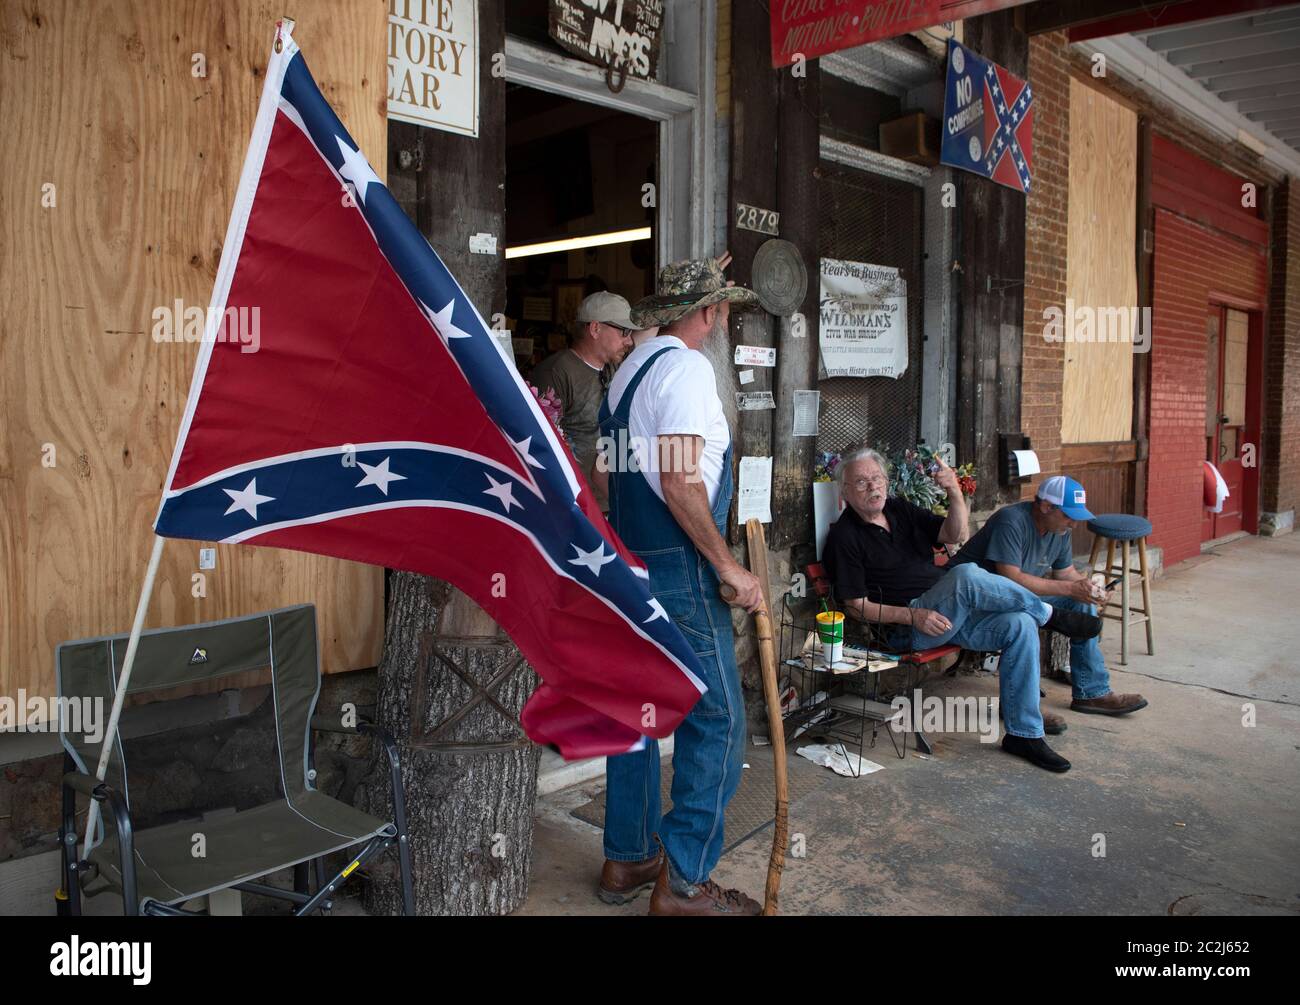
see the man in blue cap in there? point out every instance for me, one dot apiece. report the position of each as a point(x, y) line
point(1029, 543)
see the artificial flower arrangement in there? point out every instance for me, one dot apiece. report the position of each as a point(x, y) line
point(910, 476)
point(550, 404)
point(824, 469)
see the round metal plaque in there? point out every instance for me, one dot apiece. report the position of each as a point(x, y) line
point(779, 277)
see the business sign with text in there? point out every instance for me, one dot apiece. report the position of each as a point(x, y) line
point(433, 64)
point(811, 28)
point(625, 33)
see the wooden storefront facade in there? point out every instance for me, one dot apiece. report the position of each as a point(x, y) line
point(806, 144)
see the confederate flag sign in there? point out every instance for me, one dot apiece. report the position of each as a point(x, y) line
point(988, 120)
point(379, 421)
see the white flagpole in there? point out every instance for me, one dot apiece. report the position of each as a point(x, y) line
point(127, 663)
point(282, 51)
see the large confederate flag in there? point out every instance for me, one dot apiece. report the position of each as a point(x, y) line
point(379, 421)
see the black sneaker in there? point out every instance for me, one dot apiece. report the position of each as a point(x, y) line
point(1075, 624)
point(1036, 752)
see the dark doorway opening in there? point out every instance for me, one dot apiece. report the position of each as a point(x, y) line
point(574, 172)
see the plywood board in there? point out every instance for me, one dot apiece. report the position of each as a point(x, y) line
point(115, 202)
point(1234, 367)
point(1097, 386)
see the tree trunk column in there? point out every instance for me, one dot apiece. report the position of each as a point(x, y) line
point(451, 686)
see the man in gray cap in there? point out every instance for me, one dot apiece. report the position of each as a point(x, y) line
point(580, 374)
point(667, 448)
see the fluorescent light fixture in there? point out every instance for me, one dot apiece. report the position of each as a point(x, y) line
point(574, 243)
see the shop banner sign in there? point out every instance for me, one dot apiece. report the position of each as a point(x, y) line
point(433, 64)
point(988, 120)
point(811, 28)
point(863, 320)
point(620, 34)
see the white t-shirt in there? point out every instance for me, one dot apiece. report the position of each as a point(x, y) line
point(678, 396)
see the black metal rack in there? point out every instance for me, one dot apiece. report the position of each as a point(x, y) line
point(843, 707)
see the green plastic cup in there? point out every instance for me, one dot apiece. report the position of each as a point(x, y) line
point(830, 631)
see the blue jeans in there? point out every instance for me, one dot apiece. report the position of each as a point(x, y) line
point(709, 745)
point(990, 613)
point(1088, 670)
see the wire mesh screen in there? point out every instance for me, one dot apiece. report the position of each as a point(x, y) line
point(877, 220)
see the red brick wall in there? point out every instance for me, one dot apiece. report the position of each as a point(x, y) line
point(1177, 380)
point(1280, 490)
point(1190, 261)
point(1043, 363)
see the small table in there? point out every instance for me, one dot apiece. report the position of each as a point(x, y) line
point(843, 717)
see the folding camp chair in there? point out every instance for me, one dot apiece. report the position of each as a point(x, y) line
point(156, 870)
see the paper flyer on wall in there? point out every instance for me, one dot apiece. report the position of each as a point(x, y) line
point(863, 330)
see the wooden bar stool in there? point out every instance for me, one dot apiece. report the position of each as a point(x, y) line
point(1123, 529)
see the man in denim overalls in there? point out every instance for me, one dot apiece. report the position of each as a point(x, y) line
point(668, 453)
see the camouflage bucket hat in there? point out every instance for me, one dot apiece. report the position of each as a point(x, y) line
point(689, 286)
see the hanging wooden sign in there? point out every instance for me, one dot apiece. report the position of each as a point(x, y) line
point(622, 35)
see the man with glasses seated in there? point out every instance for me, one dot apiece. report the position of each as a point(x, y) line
point(879, 556)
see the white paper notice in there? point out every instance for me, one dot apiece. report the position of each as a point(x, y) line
point(863, 320)
point(755, 355)
point(1026, 462)
point(754, 401)
point(805, 412)
point(746, 377)
point(755, 499)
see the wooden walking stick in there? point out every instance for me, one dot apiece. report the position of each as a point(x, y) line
point(775, 725)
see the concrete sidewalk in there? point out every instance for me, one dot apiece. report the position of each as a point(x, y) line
point(1199, 813)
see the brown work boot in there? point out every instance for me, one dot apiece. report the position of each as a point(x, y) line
point(623, 882)
point(708, 900)
point(1109, 704)
point(1053, 724)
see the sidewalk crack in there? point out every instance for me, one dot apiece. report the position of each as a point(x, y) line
point(1208, 687)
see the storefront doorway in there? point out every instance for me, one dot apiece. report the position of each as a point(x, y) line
point(581, 213)
point(1226, 387)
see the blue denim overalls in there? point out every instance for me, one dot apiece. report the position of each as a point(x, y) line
point(709, 745)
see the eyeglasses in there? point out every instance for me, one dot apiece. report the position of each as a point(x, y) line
point(866, 483)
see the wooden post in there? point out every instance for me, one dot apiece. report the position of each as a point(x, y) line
point(470, 782)
point(798, 154)
point(992, 246)
point(754, 146)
